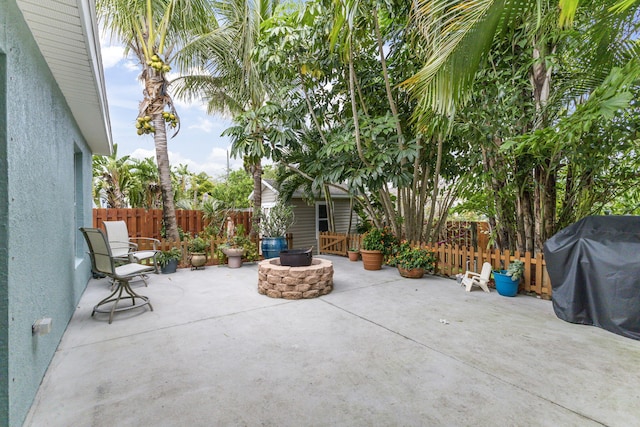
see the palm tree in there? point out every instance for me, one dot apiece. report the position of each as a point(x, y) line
point(154, 31)
point(459, 38)
point(111, 179)
point(145, 187)
point(231, 82)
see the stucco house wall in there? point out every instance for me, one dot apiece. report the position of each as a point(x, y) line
point(45, 195)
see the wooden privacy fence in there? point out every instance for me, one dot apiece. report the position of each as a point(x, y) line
point(454, 259)
point(148, 222)
point(183, 245)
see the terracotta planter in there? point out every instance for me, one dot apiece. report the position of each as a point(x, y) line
point(353, 255)
point(411, 273)
point(371, 260)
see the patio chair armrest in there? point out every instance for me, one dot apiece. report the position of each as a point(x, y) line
point(471, 274)
point(154, 242)
point(132, 246)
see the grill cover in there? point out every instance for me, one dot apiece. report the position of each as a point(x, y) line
point(594, 267)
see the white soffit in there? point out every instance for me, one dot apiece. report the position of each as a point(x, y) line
point(67, 35)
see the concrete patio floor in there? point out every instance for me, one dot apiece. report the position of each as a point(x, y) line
point(377, 351)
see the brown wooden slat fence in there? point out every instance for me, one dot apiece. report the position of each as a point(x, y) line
point(454, 259)
point(148, 222)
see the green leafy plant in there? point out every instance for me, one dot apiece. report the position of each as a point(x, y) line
point(198, 245)
point(239, 240)
point(515, 270)
point(172, 254)
point(276, 221)
point(409, 257)
point(379, 239)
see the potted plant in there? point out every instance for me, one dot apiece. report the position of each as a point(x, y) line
point(237, 246)
point(354, 254)
point(198, 252)
point(273, 227)
point(412, 262)
point(508, 281)
point(168, 260)
point(376, 244)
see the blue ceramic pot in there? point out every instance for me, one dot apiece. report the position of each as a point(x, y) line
point(271, 246)
point(504, 285)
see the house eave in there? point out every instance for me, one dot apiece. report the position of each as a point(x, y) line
point(67, 35)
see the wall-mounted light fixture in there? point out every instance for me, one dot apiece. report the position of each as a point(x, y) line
point(41, 326)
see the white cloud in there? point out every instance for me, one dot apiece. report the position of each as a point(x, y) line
point(131, 65)
point(111, 55)
point(141, 154)
point(204, 124)
point(215, 164)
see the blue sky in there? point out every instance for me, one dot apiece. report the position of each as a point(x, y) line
point(198, 145)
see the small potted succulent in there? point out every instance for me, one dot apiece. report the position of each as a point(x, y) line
point(168, 260)
point(198, 252)
point(412, 262)
point(508, 281)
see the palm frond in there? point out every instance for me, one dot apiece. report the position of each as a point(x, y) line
point(457, 36)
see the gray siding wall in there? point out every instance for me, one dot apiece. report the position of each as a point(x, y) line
point(269, 198)
point(305, 229)
point(41, 205)
point(342, 212)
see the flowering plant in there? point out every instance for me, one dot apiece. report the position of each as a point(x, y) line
point(409, 257)
point(379, 239)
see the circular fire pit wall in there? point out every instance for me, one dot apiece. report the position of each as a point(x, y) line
point(278, 281)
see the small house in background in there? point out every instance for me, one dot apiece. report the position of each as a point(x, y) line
point(311, 218)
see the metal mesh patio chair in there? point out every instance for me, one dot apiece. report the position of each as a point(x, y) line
point(103, 262)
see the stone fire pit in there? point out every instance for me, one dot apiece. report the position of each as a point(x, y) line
point(278, 281)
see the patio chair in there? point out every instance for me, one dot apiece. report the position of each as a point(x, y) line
point(103, 262)
point(471, 278)
point(123, 247)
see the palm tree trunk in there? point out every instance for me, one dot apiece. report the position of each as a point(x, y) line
point(164, 173)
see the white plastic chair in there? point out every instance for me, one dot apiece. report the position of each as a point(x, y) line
point(470, 278)
point(124, 249)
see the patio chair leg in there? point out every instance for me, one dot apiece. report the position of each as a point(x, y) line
point(116, 296)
